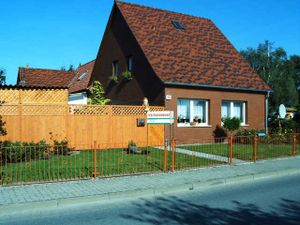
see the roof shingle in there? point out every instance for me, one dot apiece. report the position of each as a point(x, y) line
point(199, 55)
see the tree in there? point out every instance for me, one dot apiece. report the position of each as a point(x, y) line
point(97, 94)
point(71, 68)
point(279, 72)
point(2, 77)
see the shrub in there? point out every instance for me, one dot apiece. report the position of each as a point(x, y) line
point(245, 136)
point(231, 124)
point(114, 78)
point(14, 152)
point(61, 147)
point(220, 134)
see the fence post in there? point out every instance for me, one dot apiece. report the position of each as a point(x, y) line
point(294, 145)
point(165, 157)
point(230, 150)
point(95, 160)
point(173, 155)
point(254, 148)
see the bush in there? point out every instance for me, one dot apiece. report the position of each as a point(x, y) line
point(14, 152)
point(245, 136)
point(220, 134)
point(61, 147)
point(276, 139)
point(231, 124)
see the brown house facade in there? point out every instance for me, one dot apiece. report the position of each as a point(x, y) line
point(181, 62)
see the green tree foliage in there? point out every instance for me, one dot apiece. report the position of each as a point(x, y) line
point(279, 72)
point(2, 77)
point(97, 94)
point(231, 124)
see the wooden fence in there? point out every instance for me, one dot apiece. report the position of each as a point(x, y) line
point(81, 125)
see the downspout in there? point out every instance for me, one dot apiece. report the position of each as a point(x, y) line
point(267, 110)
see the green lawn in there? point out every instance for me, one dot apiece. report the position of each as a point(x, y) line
point(110, 162)
point(243, 151)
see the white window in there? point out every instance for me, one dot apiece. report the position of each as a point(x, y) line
point(232, 109)
point(192, 112)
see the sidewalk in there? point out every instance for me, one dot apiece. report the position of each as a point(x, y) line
point(53, 195)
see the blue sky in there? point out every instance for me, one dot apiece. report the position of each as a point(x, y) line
point(56, 33)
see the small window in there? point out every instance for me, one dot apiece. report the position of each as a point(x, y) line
point(232, 109)
point(177, 25)
point(129, 63)
point(192, 112)
point(115, 68)
point(83, 75)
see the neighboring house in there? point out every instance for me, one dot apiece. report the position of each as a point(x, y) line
point(182, 62)
point(77, 81)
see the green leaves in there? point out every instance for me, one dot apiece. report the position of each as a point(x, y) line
point(231, 124)
point(97, 94)
point(278, 71)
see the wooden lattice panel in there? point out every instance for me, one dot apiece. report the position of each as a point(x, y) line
point(55, 96)
point(43, 110)
point(9, 109)
point(89, 110)
point(9, 96)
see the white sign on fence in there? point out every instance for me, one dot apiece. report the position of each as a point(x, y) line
point(160, 117)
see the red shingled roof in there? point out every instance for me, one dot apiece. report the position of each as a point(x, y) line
point(81, 84)
point(44, 77)
point(198, 55)
point(56, 78)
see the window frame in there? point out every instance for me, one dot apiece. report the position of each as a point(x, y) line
point(191, 112)
point(116, 68)
point(129, 63)
point(231, 110)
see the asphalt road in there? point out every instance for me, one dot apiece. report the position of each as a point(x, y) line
point(273, 201)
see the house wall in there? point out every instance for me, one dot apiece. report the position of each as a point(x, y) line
point(119, 43)
point(255, 111)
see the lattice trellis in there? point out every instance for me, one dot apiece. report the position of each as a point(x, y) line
point(55, 96)
point(9, 96)
point(9, 110)
point(60, 109)
point(89, 110)
point(44, 110)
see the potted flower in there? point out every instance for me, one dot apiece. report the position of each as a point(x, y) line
point(132, 146)
point(127, 75)
point(114, 78)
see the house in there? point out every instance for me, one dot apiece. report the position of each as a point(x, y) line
point(76, 81)
point(181, 62)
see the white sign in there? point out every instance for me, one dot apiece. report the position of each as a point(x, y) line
point(160, 117)
point(168, 97)
point(282, 111)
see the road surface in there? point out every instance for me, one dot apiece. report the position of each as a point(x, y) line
point(273, 201)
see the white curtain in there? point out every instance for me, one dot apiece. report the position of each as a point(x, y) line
point(199, 110)
point(225, 110)
point(183, 108)
point(237, 106)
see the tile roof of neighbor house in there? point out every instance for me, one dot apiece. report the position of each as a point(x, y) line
point(79, 82)
point(44, 77)
point(57, 78)
point(199, 55)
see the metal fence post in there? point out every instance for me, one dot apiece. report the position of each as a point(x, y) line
point(230, 150)
point(165, 157)
point(254, 148)
point(173, 155)
point(95, 160)
point(294, 145)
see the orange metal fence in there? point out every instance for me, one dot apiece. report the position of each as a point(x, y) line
point(44, 163)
